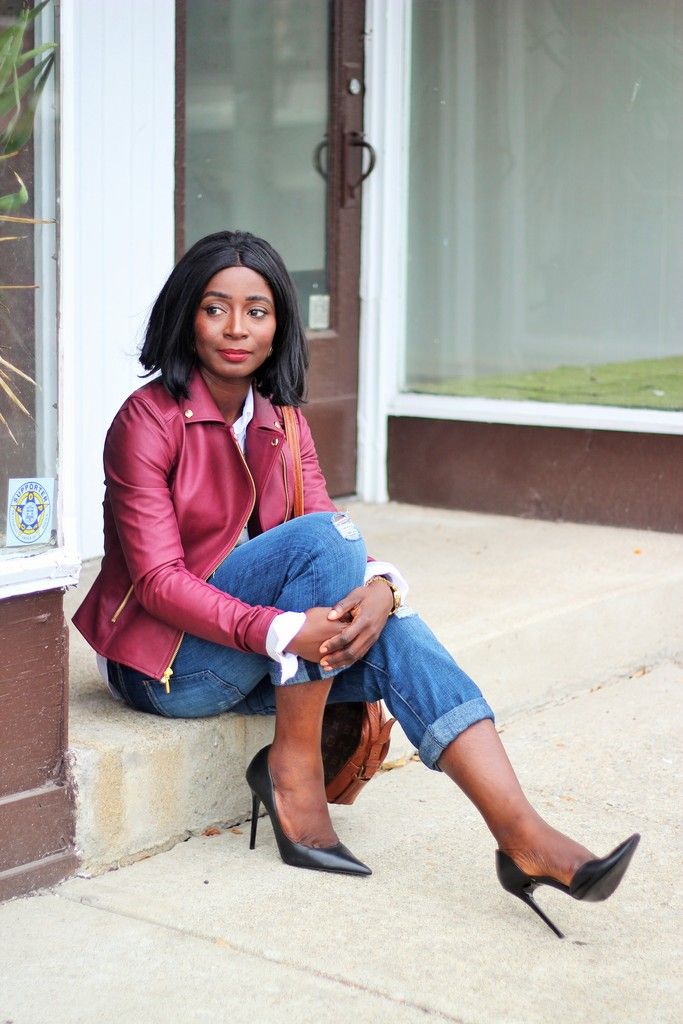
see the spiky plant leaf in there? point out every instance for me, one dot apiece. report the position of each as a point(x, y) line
point(14, 398)
point(15, 369)
point(11, 42)
point(7, 428)
point(9, 219)
point(14, 200)
point(19, 85)
point(32, 54)
point(22, 101)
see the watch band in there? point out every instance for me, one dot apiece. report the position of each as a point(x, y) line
point(395, 592)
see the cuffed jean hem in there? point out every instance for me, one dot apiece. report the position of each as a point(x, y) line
point(448, 727)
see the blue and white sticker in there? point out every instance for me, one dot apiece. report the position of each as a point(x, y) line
point(29, 510)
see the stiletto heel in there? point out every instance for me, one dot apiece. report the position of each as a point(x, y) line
point(527, 898)
point(328, 858)
point(594, 881)
point(255, 807)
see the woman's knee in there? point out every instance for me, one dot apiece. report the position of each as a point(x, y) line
point(334, 538)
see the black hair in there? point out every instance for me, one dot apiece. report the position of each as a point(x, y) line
point(169, 338)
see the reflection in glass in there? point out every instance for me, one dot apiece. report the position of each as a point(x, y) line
point(546, 210)
point(28, 249)
point(256, 109)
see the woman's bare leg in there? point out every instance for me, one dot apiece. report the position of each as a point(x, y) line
point(477, 762)
point(296, 766)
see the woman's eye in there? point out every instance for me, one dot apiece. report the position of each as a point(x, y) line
point(258, 314)
point(212, 310)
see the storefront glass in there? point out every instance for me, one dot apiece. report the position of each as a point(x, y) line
point(256, 102)
point(545, 223)
point(28, 250)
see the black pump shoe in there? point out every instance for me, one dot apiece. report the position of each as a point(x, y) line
point(327, 858)
point(594, 881)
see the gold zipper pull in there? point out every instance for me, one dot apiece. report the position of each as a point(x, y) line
point(166, 679)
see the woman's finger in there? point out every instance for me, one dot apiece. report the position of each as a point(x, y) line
point(342, 650)
point(342, 641)
point(347, 603)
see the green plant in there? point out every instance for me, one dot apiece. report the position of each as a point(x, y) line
point(23, 75)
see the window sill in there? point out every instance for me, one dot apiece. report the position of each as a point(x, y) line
point(536, 414)
point(46, 570)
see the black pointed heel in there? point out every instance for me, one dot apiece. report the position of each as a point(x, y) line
point(328, 858)
point(594, 881)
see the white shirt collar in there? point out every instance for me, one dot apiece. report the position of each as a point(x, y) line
point(239, 427)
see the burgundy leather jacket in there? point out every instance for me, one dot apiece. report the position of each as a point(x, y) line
point(178, 494)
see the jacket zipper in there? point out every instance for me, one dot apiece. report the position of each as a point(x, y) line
point(123, 604)
point(166, 677)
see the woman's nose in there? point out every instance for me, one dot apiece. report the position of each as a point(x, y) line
point(234, 325)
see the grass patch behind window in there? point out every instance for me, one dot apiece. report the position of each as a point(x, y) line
point(642, 384)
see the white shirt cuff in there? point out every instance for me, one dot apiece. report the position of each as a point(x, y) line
point(282, 631)
point(389, 570)
point(102, 669)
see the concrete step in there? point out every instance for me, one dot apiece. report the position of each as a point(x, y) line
point(536, 612)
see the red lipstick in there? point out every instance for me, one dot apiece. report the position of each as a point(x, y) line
point(233, 355)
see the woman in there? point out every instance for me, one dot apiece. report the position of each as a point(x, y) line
point(212, 598)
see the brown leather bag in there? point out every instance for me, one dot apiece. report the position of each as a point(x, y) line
point(355, 743)
point(355, 736)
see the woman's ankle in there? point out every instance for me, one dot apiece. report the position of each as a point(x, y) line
point(544, 851)
point(298, 784)
point(294, 764)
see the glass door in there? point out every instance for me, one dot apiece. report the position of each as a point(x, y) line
point(269, 140)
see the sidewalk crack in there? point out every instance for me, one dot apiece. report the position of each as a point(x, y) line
point(256, 954)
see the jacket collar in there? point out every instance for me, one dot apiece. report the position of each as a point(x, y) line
point(266, 415)
point(201, 408)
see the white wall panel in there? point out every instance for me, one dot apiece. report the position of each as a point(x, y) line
point(117, 211)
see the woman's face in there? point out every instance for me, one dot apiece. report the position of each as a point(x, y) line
point(234, 325)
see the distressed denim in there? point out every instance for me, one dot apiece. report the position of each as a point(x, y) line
point(314, 560)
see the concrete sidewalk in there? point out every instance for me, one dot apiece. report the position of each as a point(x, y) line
point(573, 633)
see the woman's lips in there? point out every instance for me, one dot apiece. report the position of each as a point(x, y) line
point(233, 355)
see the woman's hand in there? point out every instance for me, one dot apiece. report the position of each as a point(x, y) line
point(315, 631)
point(362, 614)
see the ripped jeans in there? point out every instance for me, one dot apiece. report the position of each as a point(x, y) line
point(305, 563)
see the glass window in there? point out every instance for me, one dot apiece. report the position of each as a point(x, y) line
point(545, 237)
point(256, 100)
point(28, 319)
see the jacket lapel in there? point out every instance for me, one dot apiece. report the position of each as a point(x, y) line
point(265, 436)
point(200, 406)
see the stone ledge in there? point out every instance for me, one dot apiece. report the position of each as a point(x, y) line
point(144, 783)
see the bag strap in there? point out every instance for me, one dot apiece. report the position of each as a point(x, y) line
point(292, 435)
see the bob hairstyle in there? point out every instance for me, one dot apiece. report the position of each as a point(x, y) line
point(169, 338)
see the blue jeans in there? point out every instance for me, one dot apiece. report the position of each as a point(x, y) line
point(314, 560)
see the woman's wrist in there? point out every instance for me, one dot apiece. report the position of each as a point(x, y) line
point(395, 592)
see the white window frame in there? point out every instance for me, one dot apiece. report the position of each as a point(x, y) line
point(383, 263)
point(117, 99)
point(24, 572)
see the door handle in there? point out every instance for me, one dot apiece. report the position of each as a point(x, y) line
point(357, 139)
point(317, 158)
point(355, 148)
